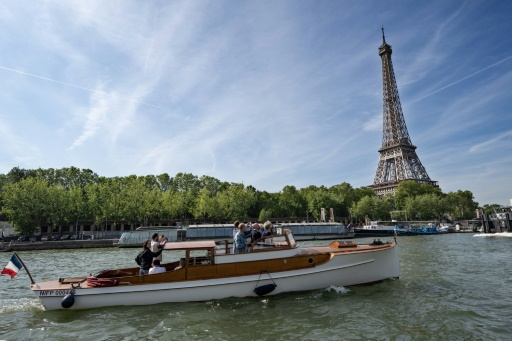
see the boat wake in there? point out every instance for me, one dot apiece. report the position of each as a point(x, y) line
point(338, 290)
point(500, 234)
point(23, 304)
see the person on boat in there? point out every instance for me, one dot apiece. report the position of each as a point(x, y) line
point(156, 269)
point(239, 242)
point(156, 245)
point(268, 229)
point(146, 257)
point(256, 233)
point(248, 230)
point(235, 230)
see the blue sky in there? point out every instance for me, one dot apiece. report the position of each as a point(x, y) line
point(268, 93)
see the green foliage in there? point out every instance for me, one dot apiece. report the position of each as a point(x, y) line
point(203, 204)
point(26, 203)
point(320, 199)
point(264, 215)
point(235, 201)
point(371, 208)
point(411, 189)
point(31, 198)
point(362, 192)
point(491, 208)
point(461, 205)
point(425, 206)
point(291, 203)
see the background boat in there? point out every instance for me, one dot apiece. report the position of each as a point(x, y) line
point(301, 231)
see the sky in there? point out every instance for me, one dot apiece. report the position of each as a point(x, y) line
point(265, 93)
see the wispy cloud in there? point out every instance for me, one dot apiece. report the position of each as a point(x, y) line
point(492, 143)
point(265, 93)
point(76, 86)
point(461, 80)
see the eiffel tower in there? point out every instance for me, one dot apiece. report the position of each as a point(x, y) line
point(398, 159)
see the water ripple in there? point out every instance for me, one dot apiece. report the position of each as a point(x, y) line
point(452, 287)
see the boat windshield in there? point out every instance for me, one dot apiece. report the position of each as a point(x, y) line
point(275, 241)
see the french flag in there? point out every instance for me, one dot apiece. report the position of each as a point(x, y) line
point(12, 267)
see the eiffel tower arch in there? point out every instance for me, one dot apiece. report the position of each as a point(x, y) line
point(398, 159)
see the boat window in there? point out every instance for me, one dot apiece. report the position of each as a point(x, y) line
point(199, 257)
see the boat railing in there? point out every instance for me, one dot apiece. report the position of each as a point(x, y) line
point(222, 247)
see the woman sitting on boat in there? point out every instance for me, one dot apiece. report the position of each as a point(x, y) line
point(145, 257)
point(240, 243)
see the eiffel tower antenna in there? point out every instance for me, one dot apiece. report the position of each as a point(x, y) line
point(398, 159)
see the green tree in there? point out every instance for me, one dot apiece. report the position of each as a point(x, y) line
point(461, 204)
point(164, 182)
point(264, 216)
point(186, 182)
point(178, 204)
point(133, 194)
point(411, 189)
point(266, 201)
point(235, 201)
point(425, 207)
point(291, 203)
point(203, 205)
point(25, 204)
point(491, 208)
point(362, 192)
point(56, 209)
point(77, 209)
point(320, 199)
point(371, 208)
point(152, 205)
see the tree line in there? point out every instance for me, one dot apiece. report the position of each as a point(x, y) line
point(32, 198)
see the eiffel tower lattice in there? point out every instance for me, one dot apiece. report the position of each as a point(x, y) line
point(398, 159)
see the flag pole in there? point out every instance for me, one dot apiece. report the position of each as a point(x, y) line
point(26, 269)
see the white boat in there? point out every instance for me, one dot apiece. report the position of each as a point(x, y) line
point(273, 265)
point(446, 227)
point(379, 229)
point(318, 231)
point(302, 231)
point(136, 237)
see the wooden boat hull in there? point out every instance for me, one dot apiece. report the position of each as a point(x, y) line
point(342, 269)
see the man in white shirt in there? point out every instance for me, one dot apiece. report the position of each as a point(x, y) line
point(156, 269)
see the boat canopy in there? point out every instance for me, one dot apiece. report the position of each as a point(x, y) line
point(196, 245)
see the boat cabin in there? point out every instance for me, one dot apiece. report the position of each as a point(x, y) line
point(201, 259)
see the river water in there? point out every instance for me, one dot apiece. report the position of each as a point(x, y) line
point(452, 287)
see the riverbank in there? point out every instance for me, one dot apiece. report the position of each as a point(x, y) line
point(58, 245)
